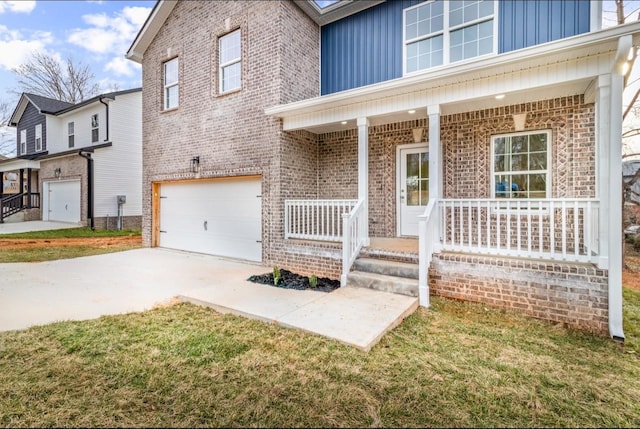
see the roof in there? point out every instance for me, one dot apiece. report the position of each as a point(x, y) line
point(321, 13)
point(630, 167)
point(51, 106)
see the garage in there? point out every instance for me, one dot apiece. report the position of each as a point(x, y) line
point(62, 200)
point(218, 217)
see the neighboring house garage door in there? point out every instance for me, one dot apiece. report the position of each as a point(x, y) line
point(221, 217)
point(64, 201)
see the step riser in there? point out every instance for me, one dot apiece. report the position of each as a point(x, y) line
point(387, 268)
point(400, 286)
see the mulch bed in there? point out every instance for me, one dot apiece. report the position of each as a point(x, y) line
point(289, 280)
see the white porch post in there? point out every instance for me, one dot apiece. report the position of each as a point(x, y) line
point(363, 172)
point(603, 125)
point(435, 153)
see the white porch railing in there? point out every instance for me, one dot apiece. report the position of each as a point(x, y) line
point(428, 243)
point(316, 219)
point(355, 235)
point(552, 229)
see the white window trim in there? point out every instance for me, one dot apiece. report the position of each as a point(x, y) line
point(549, 160)
point(221, 65)
point(73, 134)
point(38, 133)
point(446, 36)
point(97, 127)
point(23, 142)
point(168, 85)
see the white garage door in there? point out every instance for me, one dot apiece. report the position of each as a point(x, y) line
point(222, 217)
point(64, 201)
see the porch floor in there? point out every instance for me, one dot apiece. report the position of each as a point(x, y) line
point(402, 249)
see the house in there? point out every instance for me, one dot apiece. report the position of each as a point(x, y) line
point(477, 142)
point(79, 163)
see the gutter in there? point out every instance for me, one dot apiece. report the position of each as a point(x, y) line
point(87, 156)
point(619, 69)
point(107, 114)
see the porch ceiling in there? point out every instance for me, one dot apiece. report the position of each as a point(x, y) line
point(17, 164)
point(556, 69)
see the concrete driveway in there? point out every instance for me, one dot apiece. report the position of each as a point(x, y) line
point(137, 280)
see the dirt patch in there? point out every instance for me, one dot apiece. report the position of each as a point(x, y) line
point(631, 272)
point(100, 242)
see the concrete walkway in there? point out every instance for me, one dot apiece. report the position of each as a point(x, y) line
point(136, 280)
point(34, 225)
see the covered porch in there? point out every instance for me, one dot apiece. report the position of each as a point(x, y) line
point(457, 116)
point(19, 187)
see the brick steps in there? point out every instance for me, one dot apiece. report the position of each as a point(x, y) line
point(384, 275)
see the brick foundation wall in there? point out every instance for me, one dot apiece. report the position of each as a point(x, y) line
point(573, 294)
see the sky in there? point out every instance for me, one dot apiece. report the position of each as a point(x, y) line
point(98, 33)
point(95, 33)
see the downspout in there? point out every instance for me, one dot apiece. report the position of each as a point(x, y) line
point(106, 118)
point(87, 156)
point(620, 68)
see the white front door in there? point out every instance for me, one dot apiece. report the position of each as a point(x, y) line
point(413, 187)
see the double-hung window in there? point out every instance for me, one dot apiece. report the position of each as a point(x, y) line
point(38, 137)
point(442, 32)
point(71, 138)
point(23, 142)
point(95, 128)
point(521, 165)
point(230, 69)
point(171, 88)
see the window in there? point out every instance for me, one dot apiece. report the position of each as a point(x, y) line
point(95, 128)
point(521, 165)
point(71, 134)
point(38, 137)
point(442, 32)
point(171, 92)
point(230, 62)
point(23, 142)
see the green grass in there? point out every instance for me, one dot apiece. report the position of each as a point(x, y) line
point(53, 253)
point(456, 364)
point(83, 232)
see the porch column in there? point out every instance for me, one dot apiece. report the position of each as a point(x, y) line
point(363, 171)
point(435, 153)
point(21, 190)
point(28, 188)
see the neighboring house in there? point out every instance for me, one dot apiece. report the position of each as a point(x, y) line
point(629, 170)
point(487, 132)
point(74, 161)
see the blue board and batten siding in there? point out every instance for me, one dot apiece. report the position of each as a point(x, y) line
point(28, 121)
point(366, 48)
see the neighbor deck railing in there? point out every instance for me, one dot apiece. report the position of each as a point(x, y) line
point(316, 219)
point(552, 229)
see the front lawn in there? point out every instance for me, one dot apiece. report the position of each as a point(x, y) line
point(456, 364)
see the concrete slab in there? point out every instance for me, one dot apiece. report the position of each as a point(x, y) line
point(35, 225)
point(136, 280)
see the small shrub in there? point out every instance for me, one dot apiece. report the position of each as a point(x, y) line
point(313, 281)
point(276, 276)
point(636, 243)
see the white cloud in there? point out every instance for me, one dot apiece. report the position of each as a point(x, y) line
point(16, 47)
point(17, 6)
point(120, 66)
point(110, 34)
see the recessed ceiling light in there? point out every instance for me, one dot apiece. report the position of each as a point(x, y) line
point(344, 122)
point(499, 96)
point(411, 112)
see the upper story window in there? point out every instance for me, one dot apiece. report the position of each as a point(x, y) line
point(230, 62)
point(521, 165)
point(38, 137)
point(170, 80)
point(95, 128)
point(442, 32)
point(71, 134)
point(23, 142)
